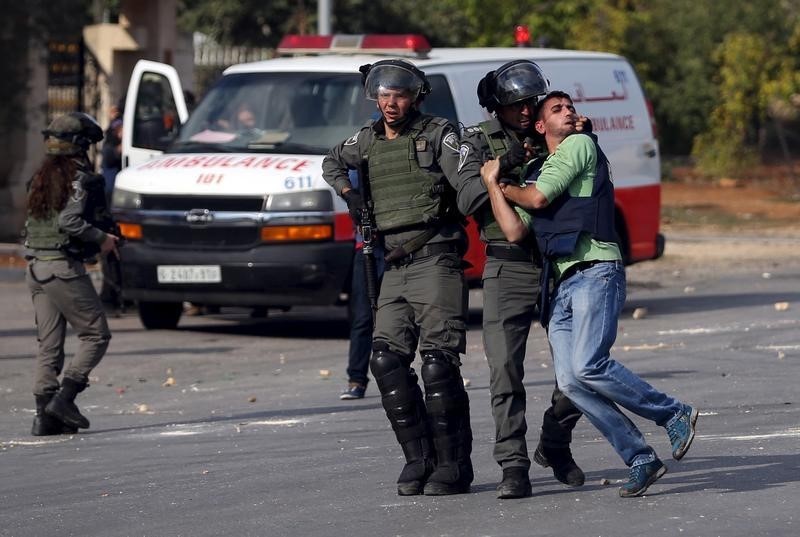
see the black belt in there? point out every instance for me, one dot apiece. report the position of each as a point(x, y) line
point(510, 252)
point(428, 250)
point(582, 265)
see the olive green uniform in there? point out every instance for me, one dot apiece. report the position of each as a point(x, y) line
point(510, 293)
point(61, 290)
point(423, 298)
point(422, 304)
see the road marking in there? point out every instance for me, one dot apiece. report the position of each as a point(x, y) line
point(725, 329)
point(273, 422)
point(13, 443)
point(778, 347)
point(788, 433)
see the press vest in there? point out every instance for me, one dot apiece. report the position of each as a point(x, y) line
point(499, 143)
point(406, 183)
point(559, 225)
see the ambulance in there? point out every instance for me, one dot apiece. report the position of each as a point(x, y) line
point(227, 206)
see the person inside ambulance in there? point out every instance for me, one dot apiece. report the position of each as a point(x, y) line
point(243, 119)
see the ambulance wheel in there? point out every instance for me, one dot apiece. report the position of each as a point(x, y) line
point(160, 315)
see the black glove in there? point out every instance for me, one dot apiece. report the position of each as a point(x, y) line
point(515, 156)
point(355, 204)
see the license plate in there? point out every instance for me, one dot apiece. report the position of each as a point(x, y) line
point(189, 274)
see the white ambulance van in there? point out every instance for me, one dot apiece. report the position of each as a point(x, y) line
point(227, 206)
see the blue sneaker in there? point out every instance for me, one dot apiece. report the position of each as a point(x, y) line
point(681, 431)
point(642, 476)
point(353, 391)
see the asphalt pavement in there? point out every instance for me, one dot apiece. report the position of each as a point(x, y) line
point(232, 426)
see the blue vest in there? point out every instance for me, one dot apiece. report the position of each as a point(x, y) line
point(559, 225)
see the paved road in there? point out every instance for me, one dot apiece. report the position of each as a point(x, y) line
point(251, 440)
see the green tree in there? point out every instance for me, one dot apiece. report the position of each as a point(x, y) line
point(671, 43)
point(729, 145)
point(674, 55)
point(780, 94)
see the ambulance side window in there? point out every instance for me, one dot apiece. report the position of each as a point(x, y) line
point(440, 101)
point(155, 116)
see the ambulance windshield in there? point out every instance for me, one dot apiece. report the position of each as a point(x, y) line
point(276, 113)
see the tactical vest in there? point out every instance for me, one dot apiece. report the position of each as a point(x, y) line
point(44, 234)
point(559, 225)
point(498, 142)
point(406, 183)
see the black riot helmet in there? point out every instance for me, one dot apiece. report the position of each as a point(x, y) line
point(512, 82)
point(394, 74)
point(71, 134)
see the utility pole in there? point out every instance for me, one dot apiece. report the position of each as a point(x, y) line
point(324, 17)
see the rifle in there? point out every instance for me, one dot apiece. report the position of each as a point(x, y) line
point(368, 234)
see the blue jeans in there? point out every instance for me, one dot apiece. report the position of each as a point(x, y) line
point(360, 313)
point(583, 327)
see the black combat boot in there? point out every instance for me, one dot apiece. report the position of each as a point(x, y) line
point(448, 477)
point(402, 400)
point(515, 483)
point(565, 469)
point(448, 415)
point(46, 425)
point(419, 465)
point(63, 407)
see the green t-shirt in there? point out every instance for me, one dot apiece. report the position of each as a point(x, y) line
point(571, 168)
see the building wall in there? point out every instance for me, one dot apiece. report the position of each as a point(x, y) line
point(21, 150)
point(150, 26)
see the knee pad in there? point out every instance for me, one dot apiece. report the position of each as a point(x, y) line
point(444, 389)
point(437, 367)
point(400, 393)
point(383, 361)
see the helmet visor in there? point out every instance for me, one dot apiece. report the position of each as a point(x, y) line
point(519, 82)
point(383, 78)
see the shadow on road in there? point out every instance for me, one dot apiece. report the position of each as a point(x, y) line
point(725, 474)
point(698, 303)
point(251, 416)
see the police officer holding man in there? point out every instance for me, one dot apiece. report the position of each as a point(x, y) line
point(68, 224)
point(511, 280)
point(411, 162)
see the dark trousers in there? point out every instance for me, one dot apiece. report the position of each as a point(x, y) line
point(360, 313)
point(510, 293)
point(56, 302)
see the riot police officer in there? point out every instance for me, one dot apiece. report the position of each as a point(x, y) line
point(68, 224)
point(410, 162)
point(511, 279)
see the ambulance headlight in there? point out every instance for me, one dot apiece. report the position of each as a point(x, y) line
point(124, 199)
point(306, 201)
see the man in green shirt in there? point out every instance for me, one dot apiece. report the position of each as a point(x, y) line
point(573, 203)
